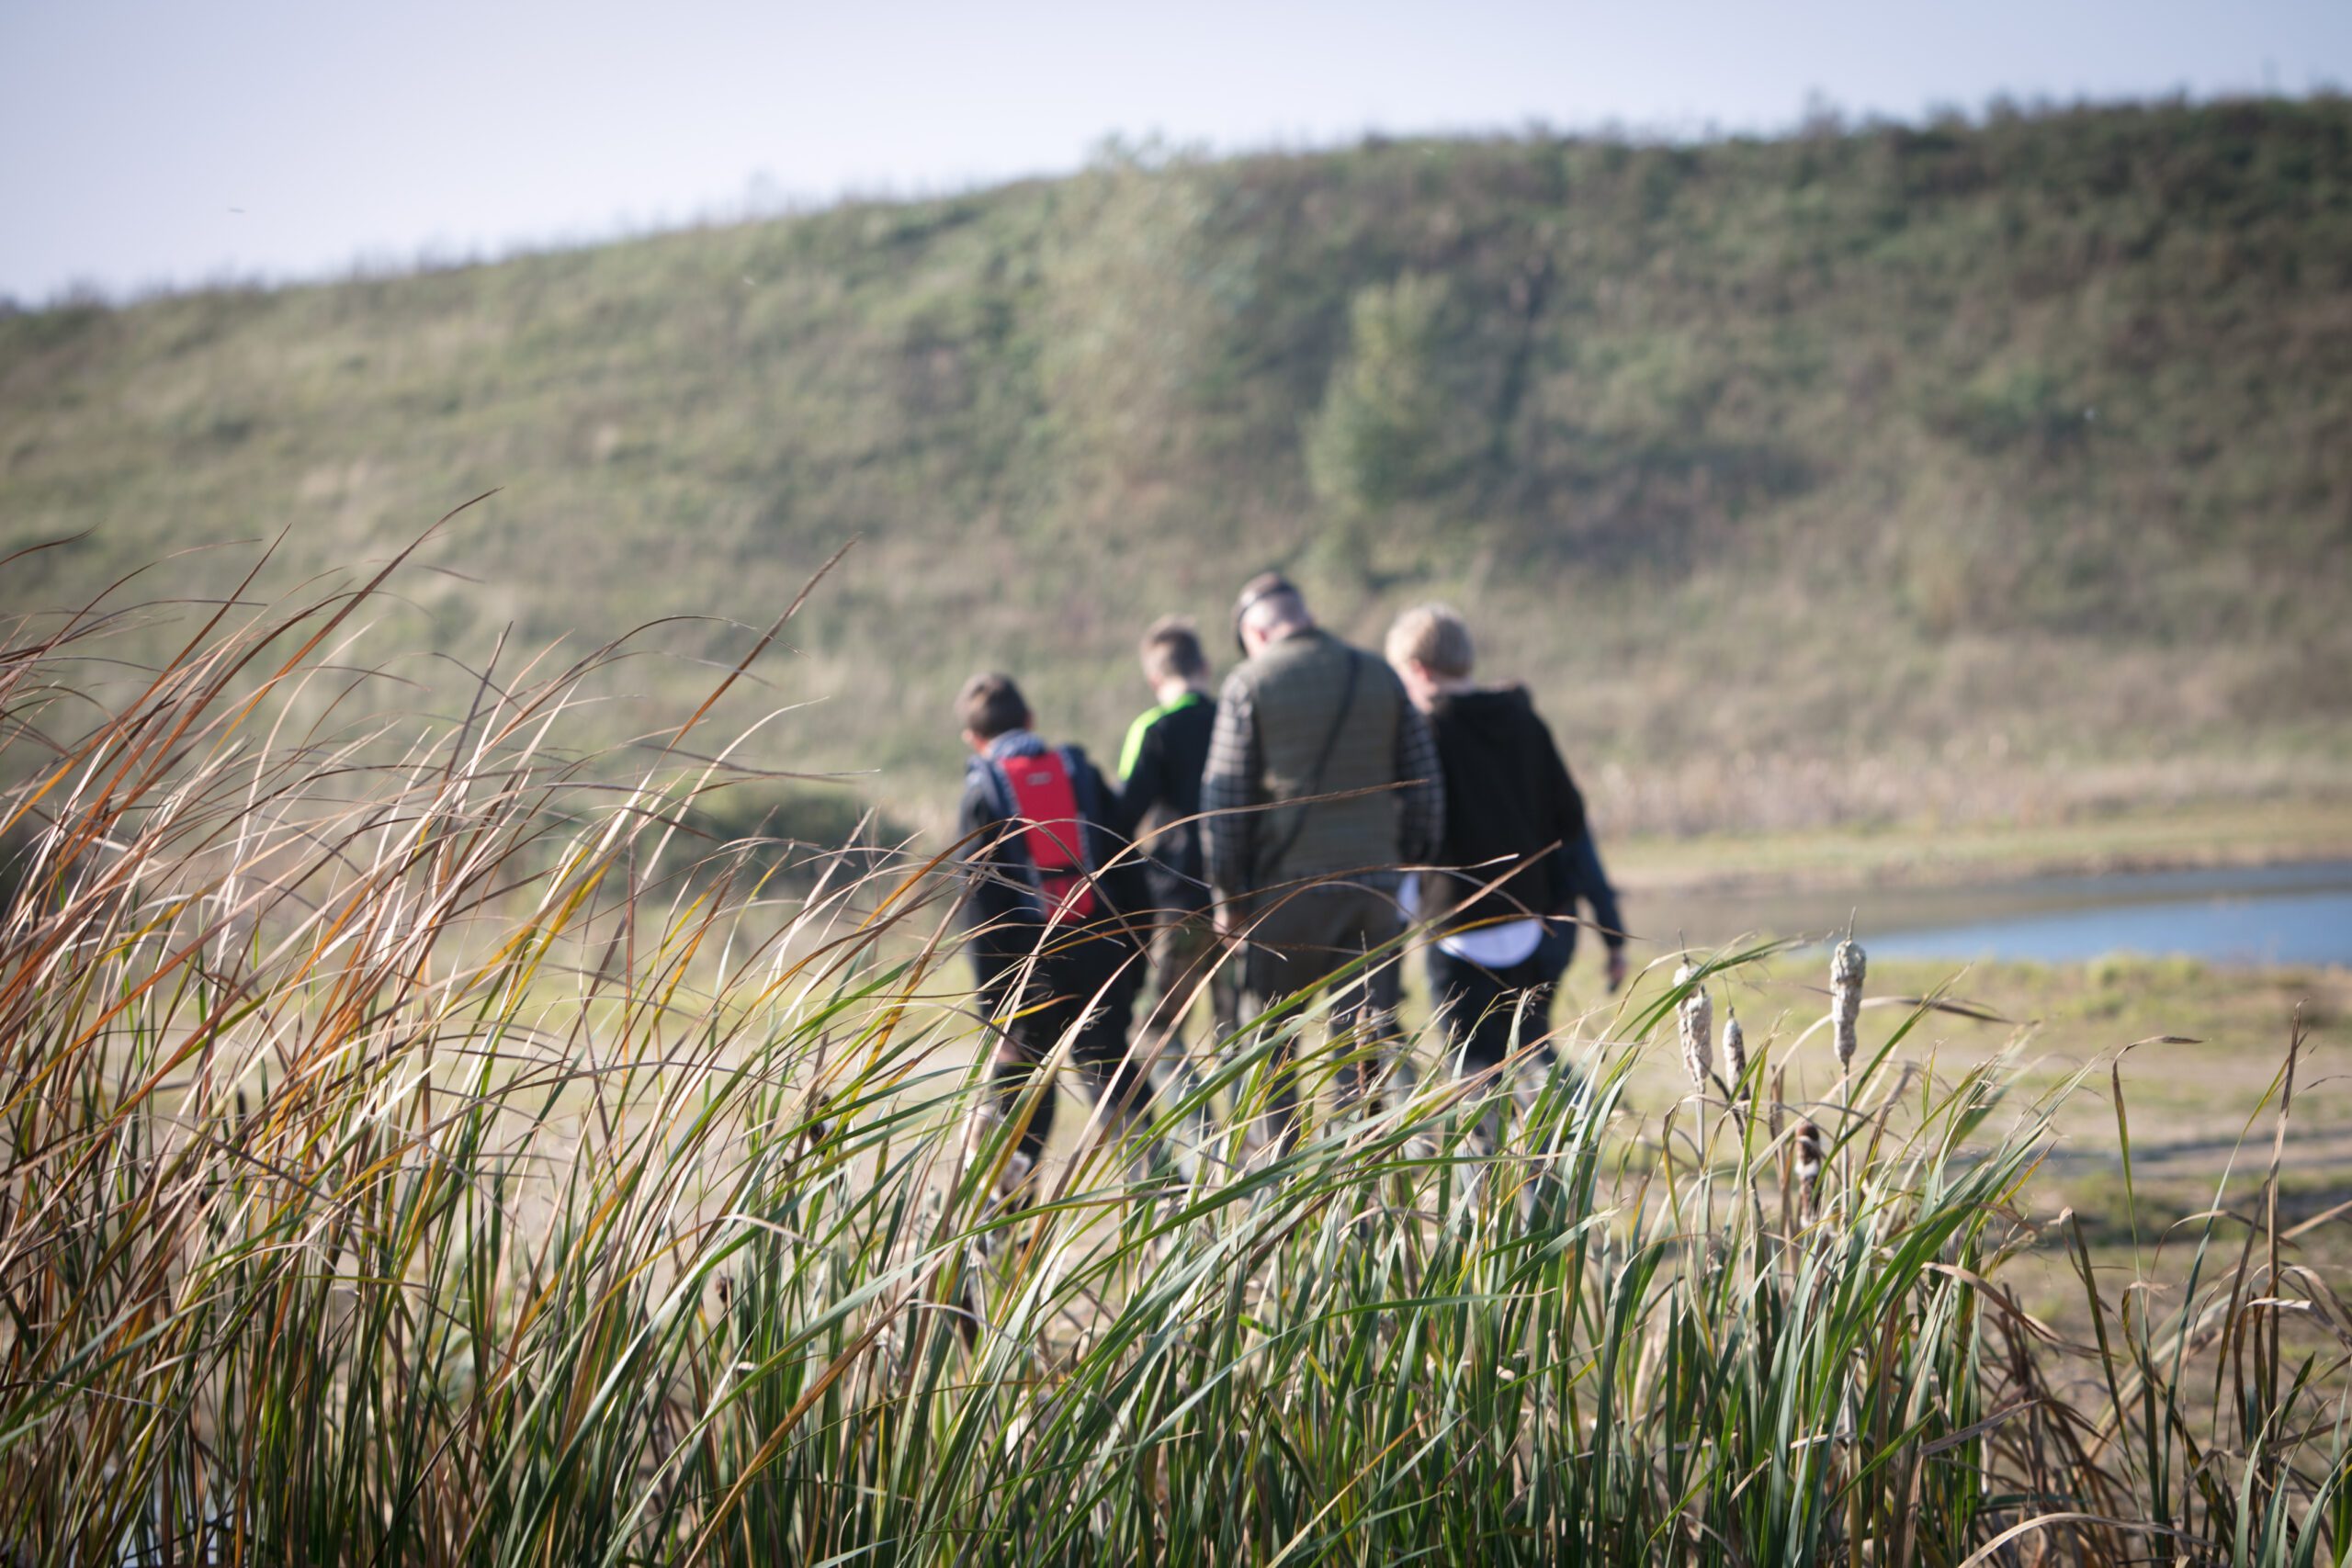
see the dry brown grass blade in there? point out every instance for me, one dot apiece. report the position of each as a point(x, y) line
point(2039, 1522)
point(2316, 1221)
point(765, 637)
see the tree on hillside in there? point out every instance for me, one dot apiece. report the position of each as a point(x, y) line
point(1386, 431)
point(1129, 318)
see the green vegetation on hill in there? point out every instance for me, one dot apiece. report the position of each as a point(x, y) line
point(1966, 471)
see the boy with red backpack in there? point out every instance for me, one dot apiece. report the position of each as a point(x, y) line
point(1057, 913)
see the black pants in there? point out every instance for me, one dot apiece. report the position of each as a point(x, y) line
point(1089, 985)
point(1493, 1013)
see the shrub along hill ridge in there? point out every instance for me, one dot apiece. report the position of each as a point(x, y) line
point(1971, 470)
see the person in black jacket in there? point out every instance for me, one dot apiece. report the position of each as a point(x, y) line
point(1516, 850)
point(1053, 911)
point(1159, 791)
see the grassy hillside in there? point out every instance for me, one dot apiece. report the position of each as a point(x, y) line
point(1967, 472)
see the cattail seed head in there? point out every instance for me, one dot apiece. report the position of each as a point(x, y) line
point(1696, 1019)
point(1848, 966)
point(1734, 1048)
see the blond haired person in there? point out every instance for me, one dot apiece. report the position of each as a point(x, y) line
point(1516, 841)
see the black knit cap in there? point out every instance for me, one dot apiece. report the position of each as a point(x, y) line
point(1265, 585)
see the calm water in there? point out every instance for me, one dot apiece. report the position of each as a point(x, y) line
point(2299, 913)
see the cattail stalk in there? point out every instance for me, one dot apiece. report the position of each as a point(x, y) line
point(1696, 1022)
point(1848, 965)
point(1735, 1051)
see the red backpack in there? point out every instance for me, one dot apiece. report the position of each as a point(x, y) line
point(1044, 797)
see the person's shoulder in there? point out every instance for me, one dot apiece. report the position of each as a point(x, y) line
point(1139, 733)
point(1369, 665)
point(1308, 645)
point(1080, 762)
point(975, 803)
point(1539, 738)
point(1506, 698)
point(1082, 768)
point(1522, 700)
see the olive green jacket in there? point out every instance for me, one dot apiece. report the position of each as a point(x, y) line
point(1311, 716)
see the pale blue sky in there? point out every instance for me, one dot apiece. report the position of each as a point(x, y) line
point(166, 143)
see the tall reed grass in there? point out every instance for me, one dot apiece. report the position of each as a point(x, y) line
point(406, 1161)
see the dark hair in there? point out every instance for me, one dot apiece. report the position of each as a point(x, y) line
point(1172, 647)
point(989, 705)
point(1267, 588)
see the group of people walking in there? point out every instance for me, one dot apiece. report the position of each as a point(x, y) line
point(1266, 840)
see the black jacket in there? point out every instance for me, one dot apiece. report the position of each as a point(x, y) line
point(1001, 915)
point(1163, 784)
point(1507, 799)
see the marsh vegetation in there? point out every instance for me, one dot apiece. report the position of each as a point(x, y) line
point(420, 1148)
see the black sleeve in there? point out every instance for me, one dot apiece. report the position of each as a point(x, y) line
point(1562, 802)
point(998, 917)
point(1592, 885)
point(1559, 810)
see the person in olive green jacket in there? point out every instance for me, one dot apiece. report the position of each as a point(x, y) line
point(1322, 784)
